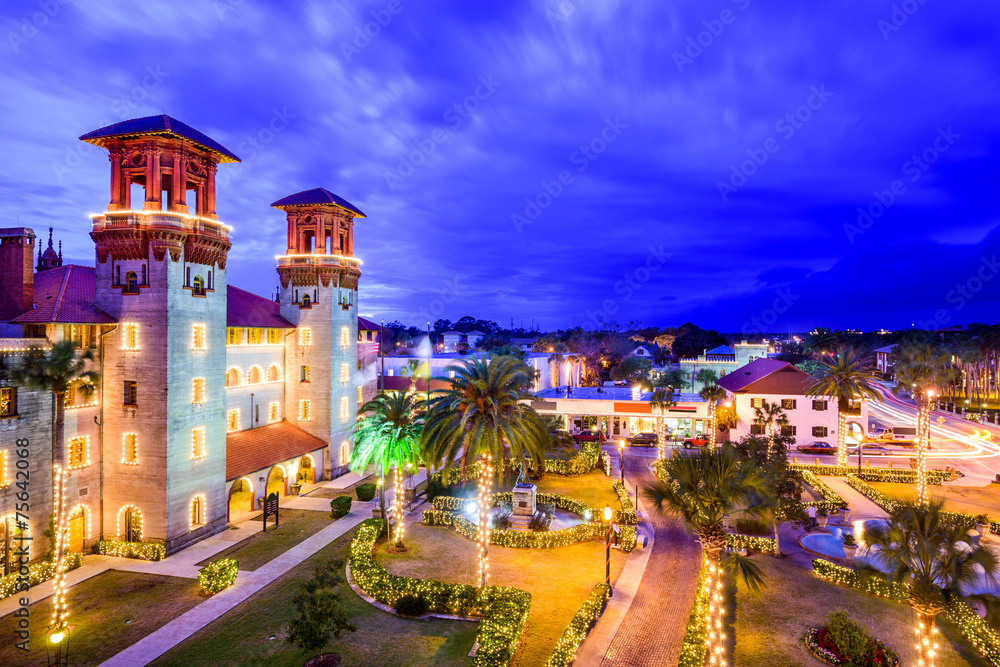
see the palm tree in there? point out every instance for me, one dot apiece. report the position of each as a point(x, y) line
point(662, 399)
point(712, 393)
point(821, 341)
point(845, 378)
point(767, 415)
point(388, 436)
point(702, 491)
point(922, 369)
point(932, 556)
point(56, 370)
point(481, 416)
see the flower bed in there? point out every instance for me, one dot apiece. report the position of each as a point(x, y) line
point(565, 651)
point(504, 610)
point(217, 575)
point(693, 646)
point(888, 504)
point(898, 475)
point(37, 573)
point(142, 550)
point(822, 646)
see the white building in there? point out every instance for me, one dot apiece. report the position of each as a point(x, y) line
point(722, 360)
point(775, 381)
point(642, 352)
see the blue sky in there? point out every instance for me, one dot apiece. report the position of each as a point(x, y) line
point(555, 161)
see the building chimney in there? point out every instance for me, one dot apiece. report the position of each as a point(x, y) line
point(17, 278)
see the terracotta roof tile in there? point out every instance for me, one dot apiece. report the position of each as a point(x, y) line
point(246, 309)
point(65, 294)
point(258, 448)
point(744, 376)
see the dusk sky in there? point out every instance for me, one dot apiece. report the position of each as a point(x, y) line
point(651, 161)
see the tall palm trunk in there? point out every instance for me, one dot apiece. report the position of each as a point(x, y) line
point(926, 641)
point(923, 436)
point(485, 475)
point(715, 637)
point(713, 430)
point(397, 509)
point(61, 537)
point(381, 500)
point(841, 436)
point(777, 540)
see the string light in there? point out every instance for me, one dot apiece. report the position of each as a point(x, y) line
point(218, 575)
point(841, 438)
point(714, 641)
point(483, 499)
point(397, 503)
point(59, 609)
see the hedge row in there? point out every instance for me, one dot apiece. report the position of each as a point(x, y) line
point(896, 475)
point(573, 505)
point(974, 627)
point(504, 610)
point(142, 550)
point(627, 514)
point(564, 653)
point(37, 573)
point(693, 646)
point(831, 499)
point(765, 545)
point(581, 463)
point(888, 504)
point(517, 539)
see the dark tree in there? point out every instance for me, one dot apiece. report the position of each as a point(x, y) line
point(318, 612)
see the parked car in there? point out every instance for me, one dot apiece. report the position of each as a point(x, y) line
point(699, 440)
point(589, 436)
point(817, 448)
point(870, 449)
point(645, 439)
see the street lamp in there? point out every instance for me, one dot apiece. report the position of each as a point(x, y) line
point(621, 448)
point(607, 550)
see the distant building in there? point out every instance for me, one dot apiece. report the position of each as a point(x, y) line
point(642, 352)
point(883, 355)
point(721, 360)
point(450, 341)
point(473, 338)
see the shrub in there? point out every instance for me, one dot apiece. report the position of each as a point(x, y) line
point(501, 517)
point(340, 506)
point(37, 573)
point(366, 491)
point(411, 605)
point(217, 575)
point(565, 650)
point(142, 550)
point(851, 639)
point(540, 521)
point(753, 527)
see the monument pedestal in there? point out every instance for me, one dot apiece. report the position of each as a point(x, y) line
point(523, 497)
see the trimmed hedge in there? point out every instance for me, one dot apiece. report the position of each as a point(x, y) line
point(980, 635)
point(518, 539)
point(888, 504)
point(142, 550)
point(37, 573)
point(564, 653)
point(693, 646)
point(366, 491)
point(581, 463)
point(831, 499)
point(897, 475)
point(340, 506)
point(752, 543)
point(627, 513)
point(573, 505)
point(504, 610)
point(218, 575)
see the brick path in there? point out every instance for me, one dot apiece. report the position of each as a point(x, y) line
point(654, 626)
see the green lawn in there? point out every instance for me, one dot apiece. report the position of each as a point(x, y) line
point(296, 526)
point(242, 637)
point(769, 628)
point(559, 579)
point(967, 499)
point(593, 488)
point(108, 613)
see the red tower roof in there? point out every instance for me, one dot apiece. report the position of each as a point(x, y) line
point(317, 197)
point(162, 125)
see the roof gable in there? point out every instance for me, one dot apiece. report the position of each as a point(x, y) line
point(766, 376)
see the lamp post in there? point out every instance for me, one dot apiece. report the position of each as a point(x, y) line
point(607, 550)
point(621, 449)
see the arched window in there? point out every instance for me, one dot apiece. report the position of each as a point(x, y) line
point(305, 300)
point(131, 282)
point(130, 524)
point(274, 373)
point(144, 282)
point(197, 511)
point(233, 377)
point(187, 276)
point(253, 375)
point(118, 275)
point(199, 285)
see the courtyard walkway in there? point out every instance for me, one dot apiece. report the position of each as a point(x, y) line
point(654, 626)
point(861, 507)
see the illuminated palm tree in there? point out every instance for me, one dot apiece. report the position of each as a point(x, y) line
point(662, 400)
point(702, 491)
point(482, 417)
point(922, 369)
point(56, 370)
point(712, 393)
point(390, 436)
point(845, 378)
point(768, 415)
point(920, 548)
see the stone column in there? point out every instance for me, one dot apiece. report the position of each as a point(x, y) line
point(211, 167)
point(115, 156)
point(320, 234)
point(178, 184)
point(154, 184)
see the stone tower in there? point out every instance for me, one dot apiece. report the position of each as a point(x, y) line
point(17, 281)
point(161, 272)
point(319, 295)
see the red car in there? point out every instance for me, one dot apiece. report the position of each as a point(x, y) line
point(589, 436)
point(817, 448)
point(699, 440)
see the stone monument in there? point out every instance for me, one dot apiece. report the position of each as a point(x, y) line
point(524, 498)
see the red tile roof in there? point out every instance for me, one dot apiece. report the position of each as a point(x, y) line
point(245, 309)
point(65, 294)
point(744, 376)
point(259, 448)
point(364, 324)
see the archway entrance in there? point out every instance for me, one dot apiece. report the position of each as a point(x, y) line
point(131, 525)
point(240, 498)
point(307, 472)
point(276, 482)
point(77, 530)
point(855, 433)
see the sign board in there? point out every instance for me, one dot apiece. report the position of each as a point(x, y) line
point(270, 504)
